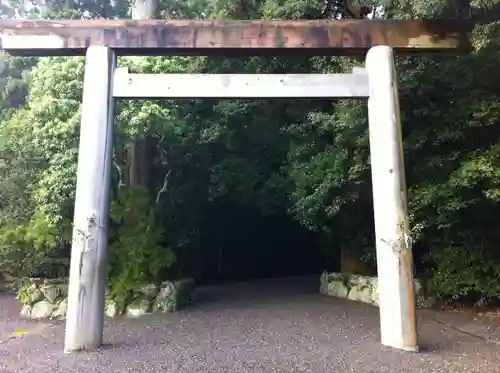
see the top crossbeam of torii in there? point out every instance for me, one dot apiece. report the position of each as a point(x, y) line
point(238, 38)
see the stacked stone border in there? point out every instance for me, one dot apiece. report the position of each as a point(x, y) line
point(44, 299)
point(365, 289)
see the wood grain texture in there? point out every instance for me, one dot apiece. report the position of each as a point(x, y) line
point(85, 313)
point(239, 86)
point(392, 231)
point(178, 37)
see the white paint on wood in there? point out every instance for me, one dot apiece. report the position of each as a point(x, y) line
point(239, 86)
point(13, 42)
point(394, 260)
point(359, 70)
point(84, 319)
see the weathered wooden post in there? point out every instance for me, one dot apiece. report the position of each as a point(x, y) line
point(393, 242)
point(85, 314)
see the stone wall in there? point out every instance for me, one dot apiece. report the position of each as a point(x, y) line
point(48, 299)
point(364, 289)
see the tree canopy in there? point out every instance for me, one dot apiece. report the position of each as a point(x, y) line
point(210, 188)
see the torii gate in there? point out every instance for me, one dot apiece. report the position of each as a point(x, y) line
point(101, 40)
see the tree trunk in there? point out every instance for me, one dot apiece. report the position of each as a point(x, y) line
point(351, 262)
point(144, 9)
point(140, 153)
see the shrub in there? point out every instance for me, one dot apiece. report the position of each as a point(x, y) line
point(34, 249)
point(136, 254)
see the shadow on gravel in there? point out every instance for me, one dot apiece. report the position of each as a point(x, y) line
point(257, 289)
point(264, 326)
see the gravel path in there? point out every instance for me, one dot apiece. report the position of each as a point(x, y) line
point(262, 327)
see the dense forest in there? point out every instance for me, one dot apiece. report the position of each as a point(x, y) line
point(227, 190)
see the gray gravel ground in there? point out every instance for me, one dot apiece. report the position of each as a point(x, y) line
point(263, 326)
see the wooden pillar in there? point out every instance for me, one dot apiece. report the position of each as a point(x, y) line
point(85, 314)
point(393, 242)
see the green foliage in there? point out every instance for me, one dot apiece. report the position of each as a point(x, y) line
point(136, 253)
point(466, 273)
point(31, 249)
point(208, 165)
point(40, 147)
point(24, 295)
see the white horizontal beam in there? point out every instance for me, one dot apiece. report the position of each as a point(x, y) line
point(239, 86)
point(359, 70)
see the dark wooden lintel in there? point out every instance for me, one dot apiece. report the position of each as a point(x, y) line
point(302, 37)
